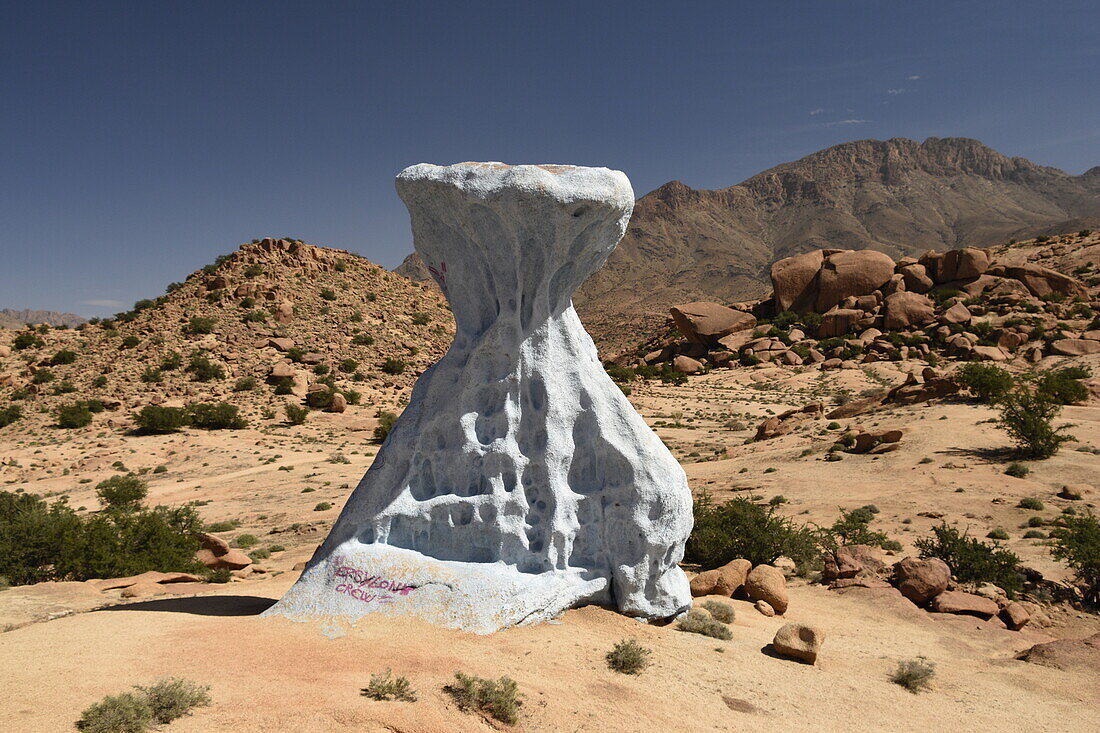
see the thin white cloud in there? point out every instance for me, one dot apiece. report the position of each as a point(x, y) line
point(845, 122)
point(103, 303)
point(914, 77)
point(817, 111)
point(898, 91)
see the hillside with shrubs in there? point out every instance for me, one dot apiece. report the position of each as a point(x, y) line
point(276, 325)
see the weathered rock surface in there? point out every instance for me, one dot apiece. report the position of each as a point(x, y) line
point(707, 323)
point(799, 641)
point(954, 601)
point(767, 583)
point(921, 580)
point(1083, 654)
point(519, 481)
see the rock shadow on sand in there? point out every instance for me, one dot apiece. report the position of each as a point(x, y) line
point(202, 605)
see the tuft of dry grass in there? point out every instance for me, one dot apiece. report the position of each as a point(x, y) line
point(699, 621)
point(384, 686)
point(628, 657)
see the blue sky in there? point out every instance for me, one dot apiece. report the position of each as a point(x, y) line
point(143, 139)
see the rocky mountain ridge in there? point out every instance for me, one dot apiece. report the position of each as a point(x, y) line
point(11, 318)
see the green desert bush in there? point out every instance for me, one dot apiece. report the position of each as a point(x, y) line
point(393, 366)
point(172, 698)
point(1030, 502)
point(998, 533)
point(1076, 540)
point(296, 414)
point(64, 356)
point(914, 675)
point(27, 340)
point(499, 699)
point(741, 528)
point(75, 415)
point(970, 559)
point(323, 506)
point(215, 416)
point(1017, 470)
point(204, 370)
point(384, 686)
point(362, 339)
point(988, 383)
point(159, 420)
point(152, 375)
point(1063, 386)
point(385, 424)
point(723, 612)
point(1027, 415)
point(246, 540)
point(628, 657)
point(122, 493)
point(245, 384)
point(124, 713)
point(52, 542)
point(10, 414)
point(699, 621)
point(200, 325)
point(43, 376)
point(171, 361)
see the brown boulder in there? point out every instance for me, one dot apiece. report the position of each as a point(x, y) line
point(851, 560)
point(990, 353)
point(281, 370)
point(921, 580)
point(284, 312)
point(851, 272)
point(1074, 347)
point(957, 313)
point(1067, 654)
point(955, 601)
point(838, 322)
point(686, 365)
point(706, 323)
point(916, 278)
point(794, 281)
point(799, 641)
point(234, 559)
point(282, 344)
point(1042, 281)
point(339, 403)
point(905, 310)
point(766, 583)
point(1015, 616)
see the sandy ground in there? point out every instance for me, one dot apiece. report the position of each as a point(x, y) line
point(277, 675)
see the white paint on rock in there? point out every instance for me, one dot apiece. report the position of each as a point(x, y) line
point(519, 481)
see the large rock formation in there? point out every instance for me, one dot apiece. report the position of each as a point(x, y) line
point(519, 481)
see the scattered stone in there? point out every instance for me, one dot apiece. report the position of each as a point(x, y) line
point(1067, 654)
point(686, 365)
point(1074, 347)
point(1075, 492)
point(904, 310)
point(1015, 616)
point(799, 641)
point(707, 323)
point(767, 583)
point(955, 601)
point(921, 580)
point(764, 608)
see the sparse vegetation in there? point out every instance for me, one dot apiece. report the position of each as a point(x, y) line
point(385, 424)
point(75, 415)
point(699, 621)
point(384, 686)
point(914, 675)
point(173, 698)
point(10, 414)
point(393, 366)
point(201, 325)
point(122, 493)
point(970, 559)
point(1027, 415)
point(1017, 470)
point(1076, 540)
point(723, 612)
point(296, 414)
point(204, 370)
point(138, 711)
point(158, 420)
point(628, 657)
point(988, 383)
point(741, 528)
point(1030, 502)
point(499, 699)
point(215, 416)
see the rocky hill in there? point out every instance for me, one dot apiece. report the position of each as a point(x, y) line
point(843, 309)
point(10, 318)
point(275, 311)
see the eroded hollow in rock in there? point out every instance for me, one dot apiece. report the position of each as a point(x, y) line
point(519, 481)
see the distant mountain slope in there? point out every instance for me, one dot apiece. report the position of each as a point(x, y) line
point(897, 196)
point(10, 318)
